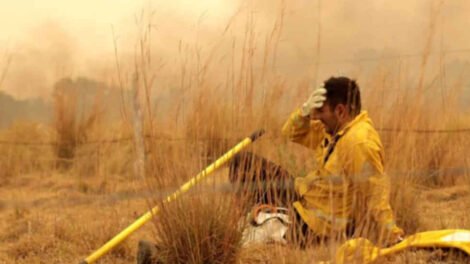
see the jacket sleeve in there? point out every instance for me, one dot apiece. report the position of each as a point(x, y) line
point(302, 130)
point(366, 168)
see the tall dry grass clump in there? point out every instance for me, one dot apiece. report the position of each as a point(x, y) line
point(65, 123)
point(203, 227)
point(74, 116)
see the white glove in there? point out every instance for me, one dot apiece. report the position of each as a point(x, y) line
point(314, 101)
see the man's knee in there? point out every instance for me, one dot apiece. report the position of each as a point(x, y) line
point(246, 166)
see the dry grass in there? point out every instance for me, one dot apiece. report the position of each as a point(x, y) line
point(75, 116)
point(200, 228)
point(28, 154)
point(35, 231)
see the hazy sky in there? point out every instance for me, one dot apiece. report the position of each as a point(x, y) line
point(49, 39)
point(92, 19)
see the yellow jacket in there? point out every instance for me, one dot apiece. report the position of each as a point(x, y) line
point(349, 186)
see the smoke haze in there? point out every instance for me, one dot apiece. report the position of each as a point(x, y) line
point(50, 39)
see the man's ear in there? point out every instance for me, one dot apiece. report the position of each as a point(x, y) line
point(340, 111)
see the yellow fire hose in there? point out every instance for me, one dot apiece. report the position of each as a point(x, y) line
point(361, 250)
point(184, 188)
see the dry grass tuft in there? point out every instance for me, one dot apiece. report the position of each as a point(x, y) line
point(200, 228)
point(74, 116)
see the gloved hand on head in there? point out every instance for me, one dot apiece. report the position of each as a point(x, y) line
point(315, 101)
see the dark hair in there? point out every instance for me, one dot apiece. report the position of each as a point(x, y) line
point(342, 90)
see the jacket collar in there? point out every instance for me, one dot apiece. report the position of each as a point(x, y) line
point(362, 116)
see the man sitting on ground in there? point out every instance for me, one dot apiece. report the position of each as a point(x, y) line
point(349, 191)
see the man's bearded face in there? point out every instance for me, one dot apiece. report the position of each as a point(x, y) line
point(328, 117)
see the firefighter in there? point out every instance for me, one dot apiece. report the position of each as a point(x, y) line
point(348, 192)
